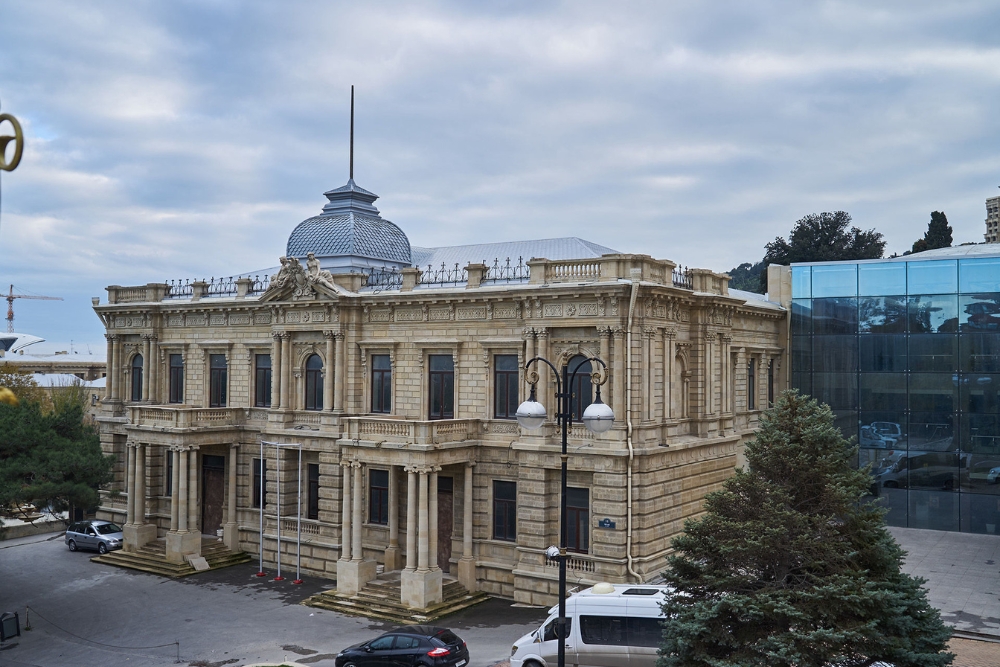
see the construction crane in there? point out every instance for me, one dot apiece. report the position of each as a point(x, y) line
point(10, 304)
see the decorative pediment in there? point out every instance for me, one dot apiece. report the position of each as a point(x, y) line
point(295, 283)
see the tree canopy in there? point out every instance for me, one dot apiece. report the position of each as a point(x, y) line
point(822, 237)
point(938, 234)
point(746, 276)
point(790, 566)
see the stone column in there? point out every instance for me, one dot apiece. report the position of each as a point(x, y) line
point(139, 532)
point(423, 539)
point(182, 512)
point(286, 370)
point(345, 513)
point(411, 520)
point(275, 370)
point(542, 350)
point(118, 369)
point(175, 491)
point(357, 518)
point(230, 531)
point(193, 505)
point(340, 368)
point(130, 483)
point(618, 375)
point(647, 372)
point(421, 588)
point(146, 367)
point(154, 369)
point(432, 511)
point(727, 379)
point(668, 373)
point(109, 382)
point(140, 484)
point(328, 369)
point(392, 551)
point(529, 354)
point(709, 372)
point(353, 574)
point(467, 564)
point(185, 541)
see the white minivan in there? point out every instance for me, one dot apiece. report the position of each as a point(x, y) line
point(610, 625)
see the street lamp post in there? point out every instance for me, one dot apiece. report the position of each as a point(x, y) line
point(598, 418)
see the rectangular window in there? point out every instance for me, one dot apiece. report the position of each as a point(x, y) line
point(442, 386)
point(168, 480)
point(381, 383)
point(312, 491)
point(176, 379)
point(770, 383)
point(262, 380)
point(256, 493)
point(752, 385)
point(603, 630)
point(378, 496)
point(505, 374)
point(505, 511)
point(217, 381)
point(578, 520)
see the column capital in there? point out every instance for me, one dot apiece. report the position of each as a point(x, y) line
point(421, 469)
point(618, 332)
point(112, 336)
point(542, 332)
point(670, 332)
point(527, 332)
point(470, 464)
point(604, 332)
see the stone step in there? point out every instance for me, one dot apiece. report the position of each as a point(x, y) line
point(152, 559)
point(381, 600)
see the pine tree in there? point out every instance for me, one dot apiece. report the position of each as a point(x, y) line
point(791, 567)
point(938, 234)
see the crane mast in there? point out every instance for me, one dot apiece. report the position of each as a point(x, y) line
point(10, 296)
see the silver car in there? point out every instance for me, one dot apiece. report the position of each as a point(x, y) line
point(102, 536)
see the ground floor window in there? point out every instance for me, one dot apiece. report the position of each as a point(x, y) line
point(505, 511)
point(378, 496)
point(312, 492)
point(259, 479)
point(578, 520)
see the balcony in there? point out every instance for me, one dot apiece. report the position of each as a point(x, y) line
point(437, 432)
point(185, 417)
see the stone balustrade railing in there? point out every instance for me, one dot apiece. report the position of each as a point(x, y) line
point(185, 417)
point(433, 432)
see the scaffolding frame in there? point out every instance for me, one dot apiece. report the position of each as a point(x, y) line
point(278, 446)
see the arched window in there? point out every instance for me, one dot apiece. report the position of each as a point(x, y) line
point(137, 377)
point(314, 383)
point(580, 386)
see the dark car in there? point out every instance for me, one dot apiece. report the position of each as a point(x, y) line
point(103, 536)
point(409, 646)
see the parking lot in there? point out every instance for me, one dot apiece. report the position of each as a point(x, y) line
point(85, 613)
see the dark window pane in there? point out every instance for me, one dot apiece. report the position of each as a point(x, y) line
point(262, 380)
point(937, 277)
point(802, 353)
point(847, 422)
point(582, 389)
point(644, 632)
point(217, 380)
point(835, 354)
point(979, 312)
point(883, 391)
point(137, 377)
point(314, 363)
point(442, 362)
point(933, 314)
point(981, 473)
point(802, 382)
point(933, 431)
point(381, 383)
point(505, 383)
point(603, 630)
point(980, 353)
point(442, 387)
point(882, 354)
point(882, 314)
point(378, 496)
point(932, 392)
point(838, 390)
point(506, 362)
point(312, 491)
point(933, 352)
point(933, 471)
point(882, 430)
point(981, 434)
point(314, 383)
point(504, 510)
point(801, 317)
point(381, 362)
point(980, 513)
point(258, 481)
point(933, 510)
point(979, 393)
point(176, 379)
point(835, 316)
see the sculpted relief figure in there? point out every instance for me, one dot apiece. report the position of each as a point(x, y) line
point(318, 275)
point(302, 281)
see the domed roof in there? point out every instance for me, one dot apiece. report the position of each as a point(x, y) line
point(350, 226)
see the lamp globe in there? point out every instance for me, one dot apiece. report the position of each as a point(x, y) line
point(598, 417)
point(530, 414)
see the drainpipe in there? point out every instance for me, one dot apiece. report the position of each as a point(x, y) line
point(634, 282)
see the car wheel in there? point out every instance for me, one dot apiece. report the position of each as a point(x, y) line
point(102, 548)
point(350, 664)
point(72, 545)
point(531, 663)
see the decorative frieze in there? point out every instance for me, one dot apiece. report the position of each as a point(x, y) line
point(409, 315)
point(552, 310)
point(196, 320)
point(473, 313)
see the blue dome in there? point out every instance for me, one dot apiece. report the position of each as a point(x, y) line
point(350, 227)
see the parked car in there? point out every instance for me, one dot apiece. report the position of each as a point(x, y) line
point(410, 645)
point(102, 536)
point(993, 476)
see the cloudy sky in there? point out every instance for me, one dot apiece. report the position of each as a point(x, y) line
point(187, 139)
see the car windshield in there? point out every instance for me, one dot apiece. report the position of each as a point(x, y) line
point(108, 528)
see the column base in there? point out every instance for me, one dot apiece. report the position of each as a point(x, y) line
point(180, 545)
point(137, 535)
point(420, 590)
point(392, 559)
point(467, 574)
point(352, 575)
point(231, 536)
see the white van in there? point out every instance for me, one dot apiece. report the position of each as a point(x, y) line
point(609, 626)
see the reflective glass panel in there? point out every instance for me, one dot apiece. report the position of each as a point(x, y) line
point(883, 391)
point(885, 486)
point(881, 279)
point(882, 430)
point(802, 382)
point(881, 353)
point(838, 390)
point(801, 282)
point(981, 473)
point(980, 513)
point(933, 314)
point(937, 277)
point(979, 312)
point(801, 317)
point(979, 275)
point(933, 392)
point(835, 354)
point(802, 353)
point(933, 431)
point(933, 510)
point(933, 471)
point(835, 316)
point(981, 434)
point(882, 314)
point(835, 280)
point(847, 422)
point(980, 353)
point(933, 352)
point(979, 393)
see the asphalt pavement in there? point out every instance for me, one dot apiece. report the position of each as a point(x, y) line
point(84, 613)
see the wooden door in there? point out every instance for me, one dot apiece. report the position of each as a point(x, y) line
point(446, 520)
point(213, 493)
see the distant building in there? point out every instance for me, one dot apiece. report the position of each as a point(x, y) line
point(992, 234)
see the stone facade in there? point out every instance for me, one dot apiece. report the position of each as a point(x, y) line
point(679, 348)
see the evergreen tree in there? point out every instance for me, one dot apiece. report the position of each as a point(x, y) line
point(938, 234)
point(791, 567)
point(746, 276)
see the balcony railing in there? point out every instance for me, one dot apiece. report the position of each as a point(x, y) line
point(182, 417)
point(434, 432)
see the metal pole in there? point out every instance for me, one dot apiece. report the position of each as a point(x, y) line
point(260, 567)
point(298, 538)
point(277, 466)
point(564, 392)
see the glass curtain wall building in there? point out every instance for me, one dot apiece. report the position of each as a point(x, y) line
point(907, 354)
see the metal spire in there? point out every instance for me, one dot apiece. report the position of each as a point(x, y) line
point(352, 132)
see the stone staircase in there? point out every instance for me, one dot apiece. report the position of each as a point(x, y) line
point(380, 598)
point(152, 558)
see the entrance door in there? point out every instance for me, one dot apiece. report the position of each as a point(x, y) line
point(213, 492)
point(446, 521)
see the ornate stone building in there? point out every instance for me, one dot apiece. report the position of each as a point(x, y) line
point(401, 386)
